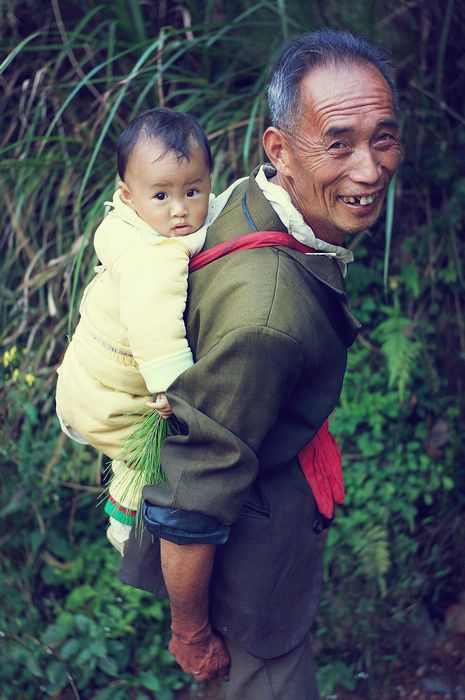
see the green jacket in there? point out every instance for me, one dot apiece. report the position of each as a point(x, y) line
point(270, 329)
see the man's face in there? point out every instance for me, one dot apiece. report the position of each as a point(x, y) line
point(337, 163)
point(169, 193)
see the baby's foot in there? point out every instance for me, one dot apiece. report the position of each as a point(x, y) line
point(118, 534)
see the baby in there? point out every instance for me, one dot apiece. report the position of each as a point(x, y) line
point(130, 342)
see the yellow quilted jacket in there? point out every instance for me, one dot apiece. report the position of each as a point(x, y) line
point(131, 334)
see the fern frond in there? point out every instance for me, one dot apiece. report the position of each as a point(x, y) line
point(401, 350)
point(373, 552)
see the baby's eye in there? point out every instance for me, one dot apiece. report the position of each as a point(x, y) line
point(191, 193)
point(160, 196)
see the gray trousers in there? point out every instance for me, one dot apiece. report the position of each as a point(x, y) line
point(287, 677)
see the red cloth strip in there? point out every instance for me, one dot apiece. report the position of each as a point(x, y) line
point(321, 463)
point(248, 241)
point(128, 511)
point(320, 460)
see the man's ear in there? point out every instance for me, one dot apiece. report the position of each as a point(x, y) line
point(125, 192)
point(277, 149)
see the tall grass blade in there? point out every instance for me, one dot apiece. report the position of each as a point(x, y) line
point(75, 290)
point(17, 50)
point(390, 205)
point(283, 16)
point(249, 132)
point(138, 19)
point(442, 46)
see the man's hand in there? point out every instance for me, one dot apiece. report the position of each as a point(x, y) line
point(161, 405)
point(202, 653)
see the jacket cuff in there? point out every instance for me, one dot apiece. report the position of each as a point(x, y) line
point(183, 526)
point(159, 374)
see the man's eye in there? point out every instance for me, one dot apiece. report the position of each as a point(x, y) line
point(160, 196)
point(191, 193)
point(337, 146)
point(386, 139)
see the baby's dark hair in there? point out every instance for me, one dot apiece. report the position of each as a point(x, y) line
point(175, 130)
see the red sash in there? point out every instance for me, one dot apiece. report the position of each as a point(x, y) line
point(320, 460)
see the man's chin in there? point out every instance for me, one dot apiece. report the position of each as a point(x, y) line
point(353, 230)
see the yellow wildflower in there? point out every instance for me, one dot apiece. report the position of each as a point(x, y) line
point(9, 356)
point(30, 379)
point(15, 374)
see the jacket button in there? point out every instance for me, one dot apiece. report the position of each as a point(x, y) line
point(317, 527)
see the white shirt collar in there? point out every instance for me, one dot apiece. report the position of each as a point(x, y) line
point(294, 221)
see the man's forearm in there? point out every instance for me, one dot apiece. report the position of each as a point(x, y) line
point(196, 647)
point(187, 570)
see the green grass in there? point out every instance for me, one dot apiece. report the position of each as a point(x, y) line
point(72, 75)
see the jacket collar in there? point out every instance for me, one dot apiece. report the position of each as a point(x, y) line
point(323, 268)
point(233, 221)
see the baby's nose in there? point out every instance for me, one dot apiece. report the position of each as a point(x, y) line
point(178, 208)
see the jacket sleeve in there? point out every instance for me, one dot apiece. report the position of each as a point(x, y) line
point(152, 280)
point(228, 401)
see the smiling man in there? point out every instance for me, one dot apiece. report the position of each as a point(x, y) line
point(337, 149)
point(236, 530)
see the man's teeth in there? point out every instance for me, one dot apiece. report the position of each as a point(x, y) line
point(369, 199)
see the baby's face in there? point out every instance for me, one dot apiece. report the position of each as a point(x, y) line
point(168, 193)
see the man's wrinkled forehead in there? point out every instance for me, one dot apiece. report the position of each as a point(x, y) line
point(343, 92)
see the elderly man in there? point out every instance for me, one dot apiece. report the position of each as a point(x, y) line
point(236, 537)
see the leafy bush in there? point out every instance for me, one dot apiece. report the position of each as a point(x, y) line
point(396, 424)
point(72, 76)
point(66, 621)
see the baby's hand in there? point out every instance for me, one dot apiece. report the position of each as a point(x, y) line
point(161, 405)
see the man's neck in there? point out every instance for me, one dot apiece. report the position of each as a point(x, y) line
point(336, 239)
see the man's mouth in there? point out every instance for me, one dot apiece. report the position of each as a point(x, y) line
point(360, 200)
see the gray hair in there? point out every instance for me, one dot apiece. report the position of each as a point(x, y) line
point(319, 48)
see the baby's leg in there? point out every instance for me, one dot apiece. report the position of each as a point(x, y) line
point(103, 417)
point(124, 496)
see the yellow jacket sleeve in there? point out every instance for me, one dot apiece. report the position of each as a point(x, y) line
point(152, 283)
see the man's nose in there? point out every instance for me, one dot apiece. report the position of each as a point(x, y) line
point(178, 207)
point(366, 167)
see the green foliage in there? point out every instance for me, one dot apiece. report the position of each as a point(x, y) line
point(373, 553)
point(92, 641)
point(335, 674)
point(396, 473)
point(72, 75)
point(67, 622)
point(401, 349)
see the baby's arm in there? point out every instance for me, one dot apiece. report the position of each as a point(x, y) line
point(153, 291)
